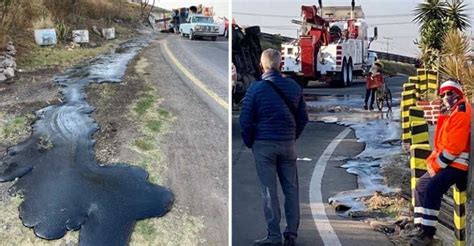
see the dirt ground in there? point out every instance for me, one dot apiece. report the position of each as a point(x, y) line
point(143, 121)
point(19, 99)
point(191, 147)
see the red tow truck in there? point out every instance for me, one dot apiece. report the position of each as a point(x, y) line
point(332, 46)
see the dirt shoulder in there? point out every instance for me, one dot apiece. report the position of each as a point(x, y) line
point(153, 120)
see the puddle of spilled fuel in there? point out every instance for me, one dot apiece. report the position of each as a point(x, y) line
point(380, 131)
point(63, 186)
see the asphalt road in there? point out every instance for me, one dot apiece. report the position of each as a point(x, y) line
point(357, 88)
point(195, 146)
point(247, 210)
point(207, 61)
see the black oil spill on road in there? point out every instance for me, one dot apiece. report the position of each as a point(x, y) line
point(63, 186)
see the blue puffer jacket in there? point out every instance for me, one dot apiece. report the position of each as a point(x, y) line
point(265, 116)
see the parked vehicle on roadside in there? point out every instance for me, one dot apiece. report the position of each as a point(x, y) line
point(199, 26)
point(332, 45)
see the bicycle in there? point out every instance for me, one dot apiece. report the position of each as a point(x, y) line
point(383, 95)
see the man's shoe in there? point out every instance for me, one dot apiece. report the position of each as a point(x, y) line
point(371, 107)
point(422, 240)
point(267, 242)
point(289, 241)
point(365, 107)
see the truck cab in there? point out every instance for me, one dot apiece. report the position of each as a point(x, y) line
point(199, 26)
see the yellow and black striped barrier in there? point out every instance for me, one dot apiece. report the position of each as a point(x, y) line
point(416, 84)
point(460, 199)
point(408, 100)
point(418, 155)
point(427, 80)
point(418, 126)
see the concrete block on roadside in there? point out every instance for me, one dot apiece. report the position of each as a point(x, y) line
point(2, 77)
point(80, 36)
point(108, 33)
point(46, 37)
point(7, 62)
point(9, 72)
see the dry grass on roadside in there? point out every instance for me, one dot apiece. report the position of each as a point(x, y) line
point(177, 227)
point(15, 233)
point(14, 128)
point(394, 68)
point(47, 57)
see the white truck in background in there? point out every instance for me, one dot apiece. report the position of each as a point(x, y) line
point(199, 26)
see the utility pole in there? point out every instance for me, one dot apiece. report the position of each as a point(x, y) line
point(388, 42)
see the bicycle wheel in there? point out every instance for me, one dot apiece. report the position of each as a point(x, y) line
point(379, 99)
point(389, 99)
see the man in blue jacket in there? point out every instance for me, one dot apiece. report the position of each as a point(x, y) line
point(270, 126)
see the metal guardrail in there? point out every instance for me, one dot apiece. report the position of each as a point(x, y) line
point(271, 37)
point(394, 57)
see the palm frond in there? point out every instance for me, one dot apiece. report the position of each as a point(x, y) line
point(456, 15)
point(456, 43)
point(430, 10)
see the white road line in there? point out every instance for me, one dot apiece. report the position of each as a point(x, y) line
point(327, 233)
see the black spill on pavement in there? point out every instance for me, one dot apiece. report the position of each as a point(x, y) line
point(63, 186)
point(329, 98)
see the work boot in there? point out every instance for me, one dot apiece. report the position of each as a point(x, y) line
point(422, 240)
point(267, 242)
point(410, 233)
point(289, 241)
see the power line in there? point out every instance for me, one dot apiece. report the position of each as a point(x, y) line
point(294, 16)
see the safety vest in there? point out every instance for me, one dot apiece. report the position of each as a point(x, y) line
point(452, 139)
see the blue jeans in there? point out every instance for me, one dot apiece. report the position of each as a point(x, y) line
point(274, 158)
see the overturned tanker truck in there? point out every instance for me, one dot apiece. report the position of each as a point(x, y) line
point(246, 51)
point(333, 45)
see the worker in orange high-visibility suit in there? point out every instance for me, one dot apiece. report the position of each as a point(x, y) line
point(448, 164)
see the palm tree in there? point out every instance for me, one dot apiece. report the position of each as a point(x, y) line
point(431, 16)
point(428, 11)
point(455, 59)
point(436, 18)
point(456, 15)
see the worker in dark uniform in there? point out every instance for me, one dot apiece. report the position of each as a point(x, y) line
point(448, 164)
point(176, 21)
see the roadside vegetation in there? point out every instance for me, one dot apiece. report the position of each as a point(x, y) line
point(177, 227)
point(14, 128)
point(19, 19)
point(394, 68)
point(444, 45)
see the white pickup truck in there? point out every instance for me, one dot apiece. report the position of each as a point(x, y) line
point(199, 26)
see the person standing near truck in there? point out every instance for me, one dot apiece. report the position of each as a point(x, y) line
point(448, 164)
point(176, 21)
point(272, 118)
point(374, 81)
